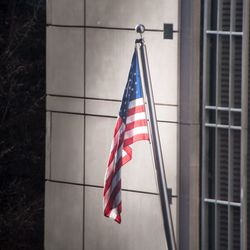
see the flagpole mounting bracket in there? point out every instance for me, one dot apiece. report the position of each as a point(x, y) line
point(168, 30)
point(169, 191)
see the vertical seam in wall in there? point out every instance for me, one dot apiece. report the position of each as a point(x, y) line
point(202, 16)
point(178, 124)
point(84, 122)
point(50, 144)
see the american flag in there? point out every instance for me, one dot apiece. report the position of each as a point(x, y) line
point(131, 126)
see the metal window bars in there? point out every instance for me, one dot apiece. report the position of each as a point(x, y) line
point(225, 124)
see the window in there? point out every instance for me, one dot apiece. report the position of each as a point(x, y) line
point(225, 154)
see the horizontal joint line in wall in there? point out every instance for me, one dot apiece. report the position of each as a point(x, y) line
point(83, 114)
point(96, 115)
point(64, 182)
point(97, 186)
point(64, 112)
point(104, 99)
point(123, 189)
point(103, 27)
point(129, 190)
point(110, 116)
point(105, 116)
point(85, 98)
point(167, 122)
point(190, 123)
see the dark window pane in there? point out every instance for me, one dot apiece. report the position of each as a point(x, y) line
point(238, 15)
point(223, 164)
point(223, 117)
point(211, 76)
point(222, 227)
point(210, 209)
point(212, 24)
point(236, 118)
point(236, 138)
point(235, 213)
point(236, 74)
point(211, 116)
point(210, 162)
point(225, 15)
point(224, 72)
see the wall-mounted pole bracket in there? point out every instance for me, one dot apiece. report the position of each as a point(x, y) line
point(169, 191)
point(168, 30)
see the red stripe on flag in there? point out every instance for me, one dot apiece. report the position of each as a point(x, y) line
point(126, 158)
point(137, 109)
point(118, 125)
point(112, 197)
point(119, 209)
point(139, 123)
point(135, 138)
point(116, 147)
point(120, 163)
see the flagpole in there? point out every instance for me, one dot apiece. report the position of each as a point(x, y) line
point(155, 140)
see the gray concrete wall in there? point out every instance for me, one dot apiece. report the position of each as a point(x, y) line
point(189, 91)
point(89, 50)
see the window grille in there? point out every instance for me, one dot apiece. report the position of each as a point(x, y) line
point(225, 137)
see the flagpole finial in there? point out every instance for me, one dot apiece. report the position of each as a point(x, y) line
point(140, 28)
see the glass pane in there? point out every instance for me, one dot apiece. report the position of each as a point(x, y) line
point(236, 74)
point(236, 165)
point(222, 227)
point(210, 162)
point(238, 15)
point(223, 117)
point(225, 15)
point(211, 72)
point(235, 212)
point(236, 118)
point(222, 164)
point(212, 15)
point(224, 72)
point(210, 224)
point(211, 116)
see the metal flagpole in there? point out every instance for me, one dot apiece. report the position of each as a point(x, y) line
point(155, 140)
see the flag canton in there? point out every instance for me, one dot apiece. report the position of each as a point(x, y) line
point(133, 88)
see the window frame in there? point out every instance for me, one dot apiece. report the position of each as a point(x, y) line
point(218, 32)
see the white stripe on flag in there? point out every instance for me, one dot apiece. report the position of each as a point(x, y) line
point(135, 131)
point(117, 137)
point(113, 213)
point(119, 154)
point(136, 102)
point(114, 182)
point(136, 117)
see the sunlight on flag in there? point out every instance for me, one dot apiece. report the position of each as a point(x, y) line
point(131, 126)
